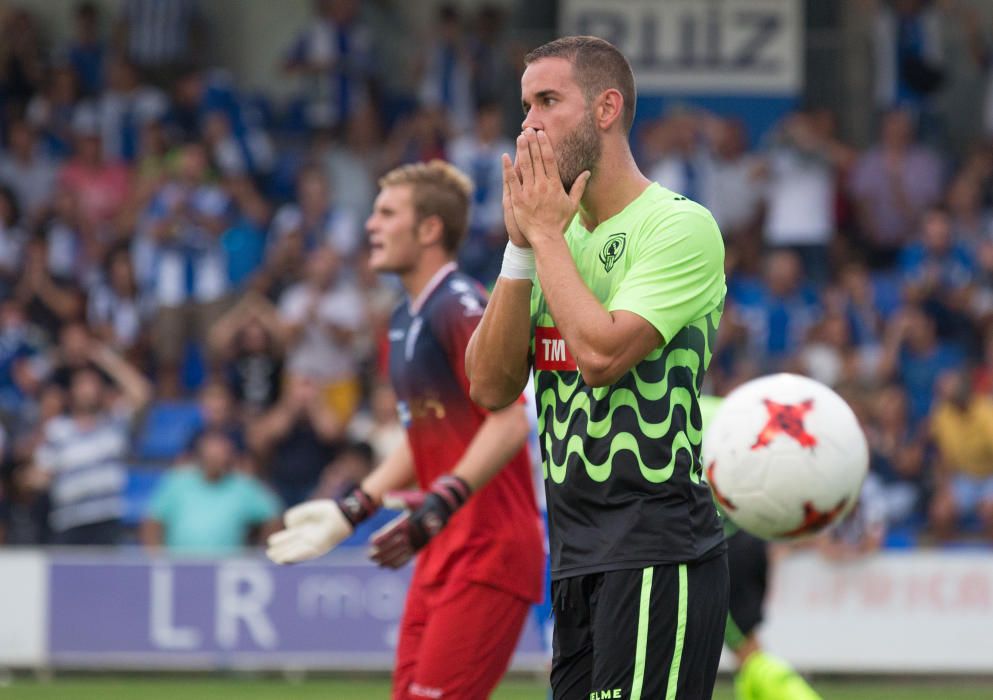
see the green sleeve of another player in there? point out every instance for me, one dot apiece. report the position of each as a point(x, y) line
point(678, 272)
point(708, 408)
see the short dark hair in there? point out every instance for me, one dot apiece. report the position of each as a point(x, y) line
point(597, 65)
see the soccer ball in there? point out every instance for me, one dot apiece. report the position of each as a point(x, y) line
point(785, 456)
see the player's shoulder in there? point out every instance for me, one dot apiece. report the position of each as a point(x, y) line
point(662, 212)
point(661, 205)
point(457, 295)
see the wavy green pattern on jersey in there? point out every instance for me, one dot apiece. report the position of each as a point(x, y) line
point(638, 414)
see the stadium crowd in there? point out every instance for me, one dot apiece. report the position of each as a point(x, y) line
point(190, 340)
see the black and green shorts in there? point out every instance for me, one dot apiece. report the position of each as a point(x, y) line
point(640, 633)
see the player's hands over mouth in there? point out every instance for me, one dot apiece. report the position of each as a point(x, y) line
point(541, 207)
point(509, 219)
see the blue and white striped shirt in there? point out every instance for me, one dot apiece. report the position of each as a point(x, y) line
point(158, 30)
point(88, 470)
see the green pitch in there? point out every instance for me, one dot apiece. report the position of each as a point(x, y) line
point(181, 688)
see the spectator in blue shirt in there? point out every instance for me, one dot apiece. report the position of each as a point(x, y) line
point(207, 507)
point(87, 51)
point(245, 240)
point(778, 311)
point(937, 267)
point(914, 356)
point(939, 272)
point(334, 53)
point(182, 262)
point(21, 363)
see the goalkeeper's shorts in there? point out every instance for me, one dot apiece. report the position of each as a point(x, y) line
point(456, 640)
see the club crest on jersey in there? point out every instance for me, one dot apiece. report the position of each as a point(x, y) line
point(612, 250)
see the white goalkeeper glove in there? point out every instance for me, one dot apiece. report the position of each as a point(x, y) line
point(316, 527)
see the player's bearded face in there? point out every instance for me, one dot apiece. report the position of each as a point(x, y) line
point(579, 150)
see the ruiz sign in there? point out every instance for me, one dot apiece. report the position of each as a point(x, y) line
point(699, 46)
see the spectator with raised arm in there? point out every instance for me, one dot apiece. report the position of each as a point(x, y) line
point(321, 318)
point(802, 166)
point(50, 300)
point(893, 183)
point(248, 342)
point(296, 439)
point(916, 357)
point(81, 457)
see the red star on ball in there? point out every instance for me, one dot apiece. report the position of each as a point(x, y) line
point(786, 419)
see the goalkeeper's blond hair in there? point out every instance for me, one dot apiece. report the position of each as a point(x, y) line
point(437, 189)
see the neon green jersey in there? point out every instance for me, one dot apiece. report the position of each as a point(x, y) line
point(622, 462)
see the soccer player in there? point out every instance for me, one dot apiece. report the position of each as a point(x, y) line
point(611, 288)
point(760, 676)
point(475, 520)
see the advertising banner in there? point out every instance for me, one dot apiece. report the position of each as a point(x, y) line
point(23, 607)
point(896, 612)
point(918, 612)
point(340, 613)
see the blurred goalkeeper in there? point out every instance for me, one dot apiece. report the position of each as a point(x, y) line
point(474, 516)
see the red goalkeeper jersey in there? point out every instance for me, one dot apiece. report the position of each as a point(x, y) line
point(496, 537)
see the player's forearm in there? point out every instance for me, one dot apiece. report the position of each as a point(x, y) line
point(498, 439)
point(396, 472)
point(497, 355)
point(586, 326)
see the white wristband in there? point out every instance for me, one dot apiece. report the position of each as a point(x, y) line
point(518, 263)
